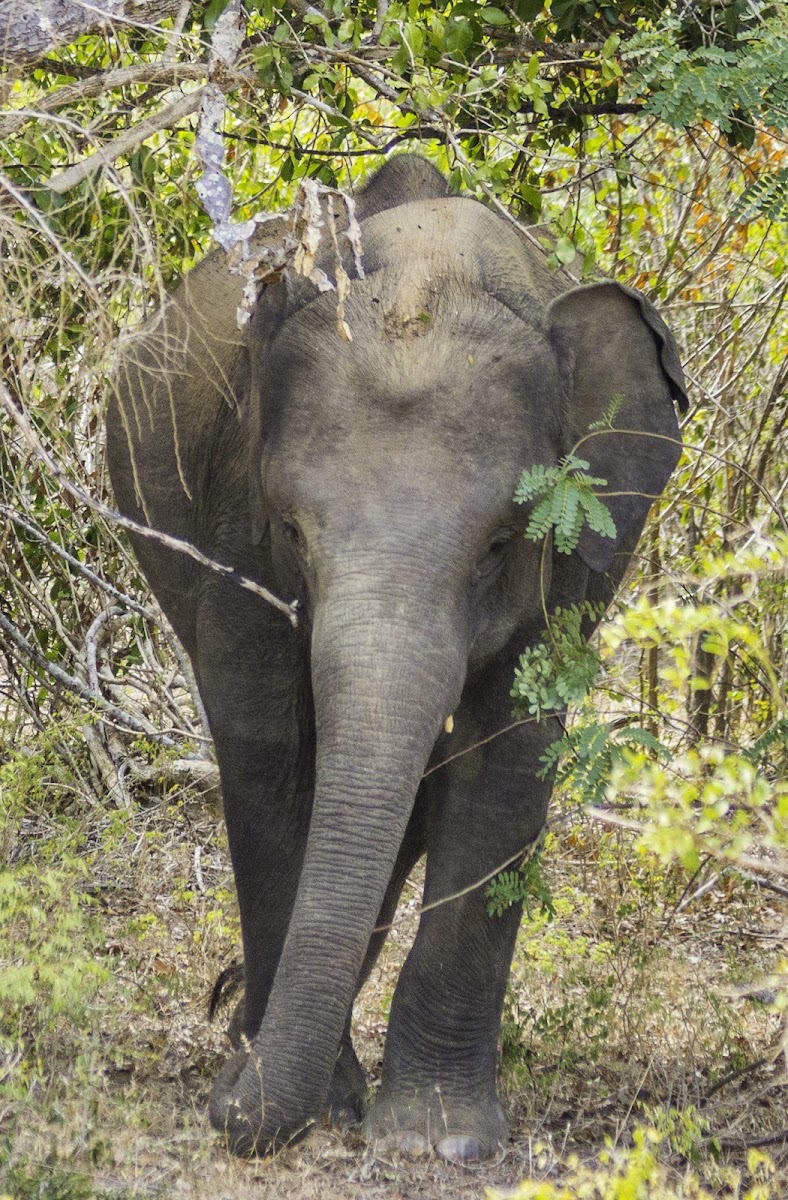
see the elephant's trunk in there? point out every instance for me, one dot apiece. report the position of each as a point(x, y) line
point(386, 673)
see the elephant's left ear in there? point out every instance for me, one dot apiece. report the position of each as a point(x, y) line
point(618, 359)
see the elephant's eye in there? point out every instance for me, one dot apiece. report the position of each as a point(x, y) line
point(293, 535)
point(495, 554)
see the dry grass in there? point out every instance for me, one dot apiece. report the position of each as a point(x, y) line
point(620, 1010)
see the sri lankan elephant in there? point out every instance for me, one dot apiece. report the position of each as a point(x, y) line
point(372, 479)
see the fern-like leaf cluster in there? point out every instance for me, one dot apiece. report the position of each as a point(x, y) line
point(736, 85)
point(770, 751)
point(584, 759)
point(766, 197)
point(524, 885)
point(564, 501)
point(560, 669)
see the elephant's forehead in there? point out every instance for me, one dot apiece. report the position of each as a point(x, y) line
point(432, 356)
point(426, 264)
point(446, 355)
point(452, 407)
point(458, 239)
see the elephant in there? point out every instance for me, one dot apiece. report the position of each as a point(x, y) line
point(371, 478)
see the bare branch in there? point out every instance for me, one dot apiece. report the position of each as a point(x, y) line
point(96, 84)
point(21, 200)
point(39, 536)
point(126, 720)
point(302, 9)
point(759, 866)
point(213, 187)
point(187, 772)
point(382, 9)
point(129, 140)
point(177, 30)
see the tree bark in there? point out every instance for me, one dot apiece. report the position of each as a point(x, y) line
point(30, 29)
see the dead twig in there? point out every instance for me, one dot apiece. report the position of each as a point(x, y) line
point(125, 720)
point(125, 143)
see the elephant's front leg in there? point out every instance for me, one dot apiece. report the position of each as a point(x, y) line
point(439, 1071)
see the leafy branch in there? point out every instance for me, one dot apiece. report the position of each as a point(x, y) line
point(565, 501)
point(523, 884)
point(584, 759)
point(766, 196)
point(560, 669)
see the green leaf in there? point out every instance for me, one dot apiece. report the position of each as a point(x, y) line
point(285, 72)
point(212, 13)
point(522, 885)
point(494, 16)
point(566, 502)
point(529, 10)
point(564, 251)
point(558, 670)
point(532, 197)
point(767, 197)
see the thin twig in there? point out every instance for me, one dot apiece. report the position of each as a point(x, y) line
point(736, 1143)
point(167, 74)
point(761, 866)
point(38, 535)
point(126, 720)
point(731, 1077)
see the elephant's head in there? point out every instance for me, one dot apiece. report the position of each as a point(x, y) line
point(383, 470)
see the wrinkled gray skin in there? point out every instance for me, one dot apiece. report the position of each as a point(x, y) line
point(373, 479)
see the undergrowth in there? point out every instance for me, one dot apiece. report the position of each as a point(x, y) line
point(622, 1017)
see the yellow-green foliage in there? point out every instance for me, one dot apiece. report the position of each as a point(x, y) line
point(637, 1174)
point(704, 802)
point(45, 941)
point(51, 939)
point(728, 801)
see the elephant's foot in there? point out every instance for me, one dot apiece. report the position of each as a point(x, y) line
point(419, 1122)
point(344, 1106)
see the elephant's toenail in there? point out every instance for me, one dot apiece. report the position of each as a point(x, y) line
point(414, 1144)
point(459, 1148)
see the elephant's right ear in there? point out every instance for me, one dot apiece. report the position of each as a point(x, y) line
point(617, 356)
